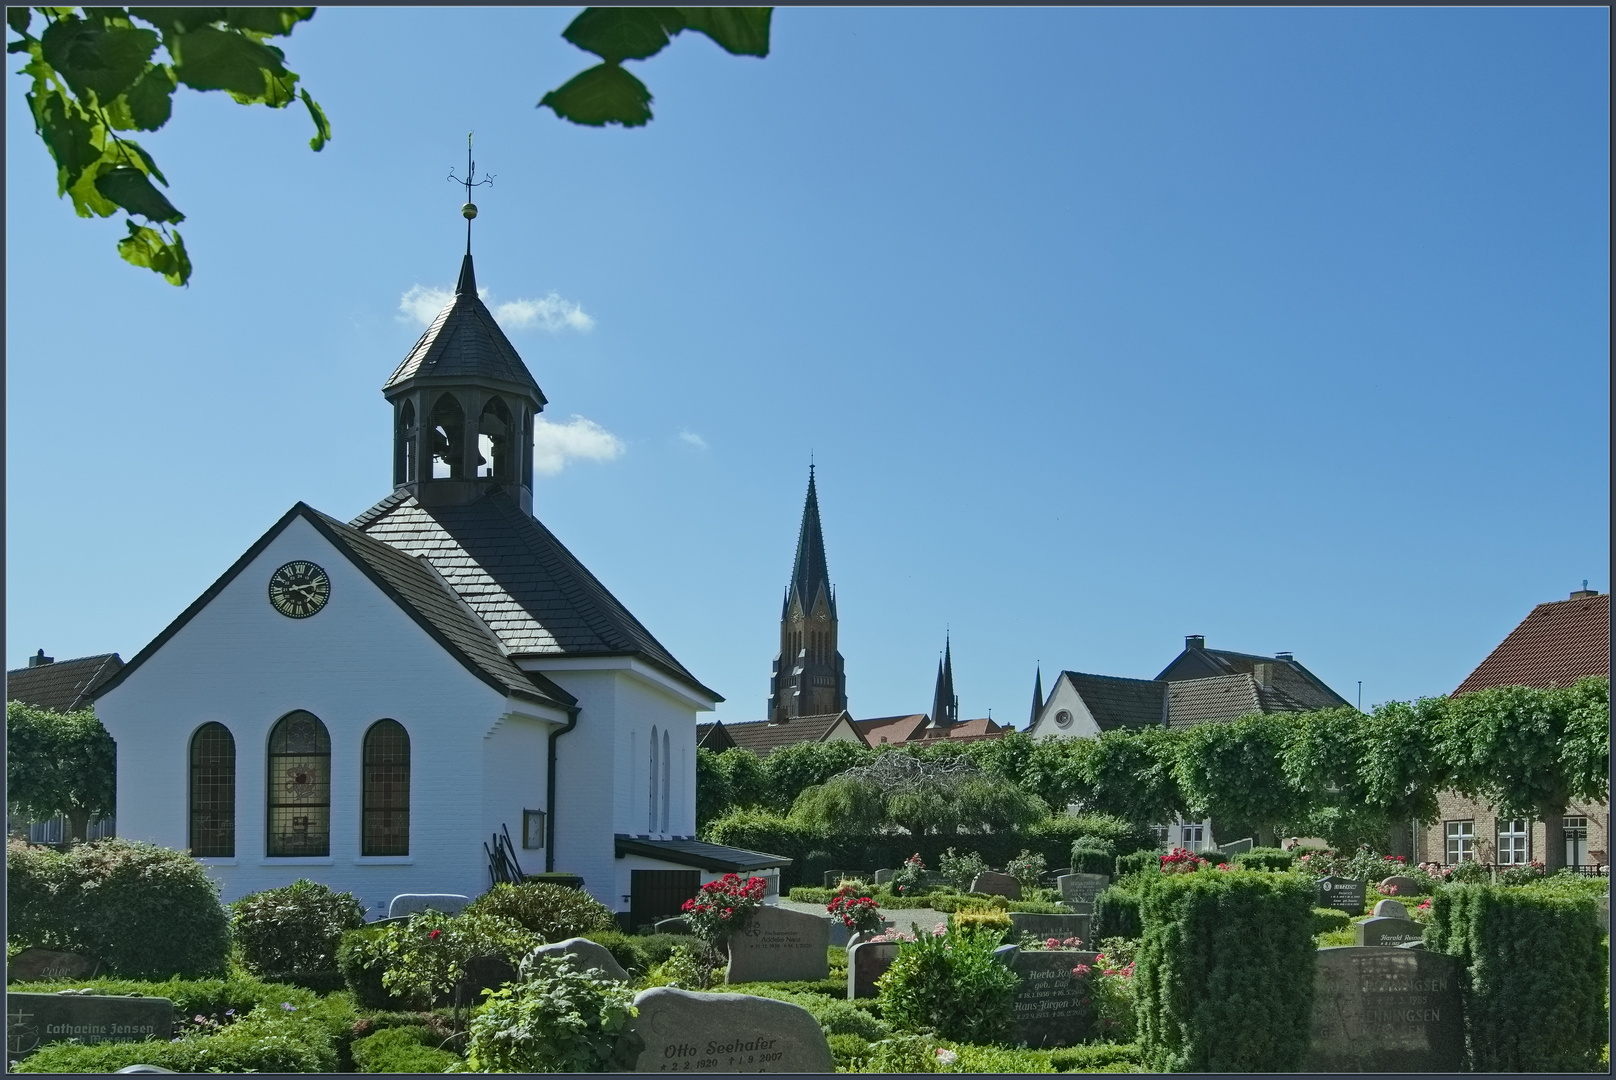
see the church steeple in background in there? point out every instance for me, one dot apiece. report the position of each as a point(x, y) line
point(944, 702)
point(1037, 698)
point(808, 678)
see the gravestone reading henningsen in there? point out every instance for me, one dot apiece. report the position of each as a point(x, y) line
point(687, 1031)
point(1049, 1008)
point(35, 1019)
point(1385, 1010)
point(779, 945)
point(31, 965)
point(866, 962)
point(1342, 894)
point(996, 884)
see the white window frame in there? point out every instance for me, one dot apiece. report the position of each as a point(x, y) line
point(1461, 841)
point(1514, 842)
point(1194, 835)
point(1576, 840)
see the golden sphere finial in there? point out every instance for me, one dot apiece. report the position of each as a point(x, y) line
point(469, 211)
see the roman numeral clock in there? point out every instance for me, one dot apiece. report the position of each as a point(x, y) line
point(299, 589)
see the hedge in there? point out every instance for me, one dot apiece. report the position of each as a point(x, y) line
point(1264, 859)
point(1116, 914)
point(1225, 971)
point(1139, 860)
point(1535, 973)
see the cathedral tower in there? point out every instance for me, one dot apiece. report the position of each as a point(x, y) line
point(808, 678)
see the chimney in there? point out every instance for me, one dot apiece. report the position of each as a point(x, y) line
point(1285, 656)
point(1263, 672)
point(40, 658)
point(1584, 593)
point(1194, 641)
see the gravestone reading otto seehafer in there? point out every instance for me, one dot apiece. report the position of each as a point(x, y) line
point(778, 945)
point(687, 1031)
point(1385, 1010)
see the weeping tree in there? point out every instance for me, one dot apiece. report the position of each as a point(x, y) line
point(931, 794)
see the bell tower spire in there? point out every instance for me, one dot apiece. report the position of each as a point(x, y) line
point(809, 678)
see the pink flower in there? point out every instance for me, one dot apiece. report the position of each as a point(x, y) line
point(433, 936)
point(1082, 971)
point(1052, 943)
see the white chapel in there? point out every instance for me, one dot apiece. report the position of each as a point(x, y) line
point(367, 703)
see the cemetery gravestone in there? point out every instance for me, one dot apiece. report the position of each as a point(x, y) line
point(1079, 890)
point(584, 954)
point(1385, 1010)
point(1342, 894)
point(687, 1031)
point(1390, 909)
point(883, 876)
point(1398, 885)
point(411, 903)
point(35, 1019)
point(996, 884)
point(675, 925)
point(778, 945)
point(1050, 926)
point(866, 962)
point(31, 965)
point(1384, 931)
point(1049, 1008)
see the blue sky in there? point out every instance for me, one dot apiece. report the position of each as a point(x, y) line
point(1285, 327)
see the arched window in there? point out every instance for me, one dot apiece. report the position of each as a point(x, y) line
point(525, 451)
point(213, 792)
point(386, 813)
point(448, 437)
point(653, 806)
point(299, 786)
point(667, 777)
point(494, 431)
point(404, 450)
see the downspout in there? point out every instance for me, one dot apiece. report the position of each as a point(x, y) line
point(550, 790)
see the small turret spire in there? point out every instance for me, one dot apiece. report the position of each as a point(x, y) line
point(1037, 696)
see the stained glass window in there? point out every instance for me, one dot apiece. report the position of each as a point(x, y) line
point(387, 790)
point(213, 792)
point(299, 786)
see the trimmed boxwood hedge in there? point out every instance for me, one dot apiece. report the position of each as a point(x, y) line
point(1116, 914)
point(1225, 971)
point(1535, 973)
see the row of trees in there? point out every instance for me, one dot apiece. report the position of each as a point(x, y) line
point(1348, 776)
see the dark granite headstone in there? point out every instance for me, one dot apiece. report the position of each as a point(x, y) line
point(1383, 931)
point(1049, 1009)
point(866, 962)
point(1398, 885)
point(1385, 1010)
point(1079, 890)
point(1342, 894)
point(996, 884)
point(687, 1031)
point(31, 965)
point(35, 1019)
point(778, 945)
point(1049, 926)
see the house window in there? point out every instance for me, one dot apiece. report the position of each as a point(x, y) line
point(1512, 843)
point(1461, 841)
point(652, 813)
point(1160, 832)
point(299, 787)
point(213, 792)
point(1576, 841)
point(386, 785)
point(1194, 836)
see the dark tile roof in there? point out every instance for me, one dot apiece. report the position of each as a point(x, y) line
point(763, 737)
point(714, 736)
point(1557, 644)
point(519, 579)
point(1116, 702)
point(64, 685)
point(1287, 674)
point(463, 342)
point(699, 853)
point(1223, 698)
point(891, 730)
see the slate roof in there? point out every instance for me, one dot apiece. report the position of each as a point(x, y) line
point(1287, 674)
point(699, 853)
point(892, 730)
point(763, 737)
point(1223, 698)
point(63, 685)
point(464, 342)
point(1118, 703)
point(714, 736)
point(535, 596)
point(1557, 644)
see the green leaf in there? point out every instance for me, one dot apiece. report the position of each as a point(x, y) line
point(618, 34)
point(178, 20)
point(87, 198)
point(322, 126)
point(605, 94)
point(740, 31)
point(129, 188)
point(68, 133)
point(211, 59)
point(146, 159)
point(145, 246)
point(275, 21)
point(148, 104)
point(18, 19)
point(95, 60)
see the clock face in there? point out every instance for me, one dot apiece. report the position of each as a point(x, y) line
point(299, 589)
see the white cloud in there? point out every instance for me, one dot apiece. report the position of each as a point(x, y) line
point(422, 303)
point(690, 438)
point(557, 445)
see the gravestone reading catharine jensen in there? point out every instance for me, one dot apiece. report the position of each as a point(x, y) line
point(1385, 1010)
point(31, 965)
point(1049, 1008)
point(996, 884)
point(687, 1031)
point(1342, 894)
point(866, 962)
point(1049, 926)
point(1079, 890)
point(778, 945)
point(35, 1019)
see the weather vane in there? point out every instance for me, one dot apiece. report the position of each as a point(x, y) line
point(469, 211)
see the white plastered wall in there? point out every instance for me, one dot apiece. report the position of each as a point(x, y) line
point(1064, 696)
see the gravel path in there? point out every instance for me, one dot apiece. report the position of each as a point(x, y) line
point(897, 918)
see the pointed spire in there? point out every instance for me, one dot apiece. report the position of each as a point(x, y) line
point(467, 285)
point(1037, 697)
point(944, 702)
point(809, 575)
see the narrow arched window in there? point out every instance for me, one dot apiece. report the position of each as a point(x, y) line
point(386, 784)
point(404, 450)
point(526, 449)
point(667, 777)
point(299, 786)
point(448, 436)
point(494, 438)
point(653, 806)
point(213, 792)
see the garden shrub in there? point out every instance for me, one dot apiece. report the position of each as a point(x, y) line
point(837, 1016)
point(985, 919)
point(362, 963)
point(848, 1052)
point(1536, 973)
point(412, 1049)
point(950, 983)
point(1027, 868)
point(1136, 862)
point(296, 929)
point(906, 879)
point(416, 964)
point(1124, 836)
point(553, 912)
point(1329, 920)
point(555, 1018)
point(1116, 914)
point(626, 949)
point(34, 877)
point(960, 869)
point(686, 968)
point(903, 1054)
point(1225, 971)
point(1096, 1057)
point(969, 1058)
point(1264, 859)
point(723, 905)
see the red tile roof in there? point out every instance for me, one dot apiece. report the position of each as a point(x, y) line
point(1557, 644)
point(963, 731)
point(894, 730)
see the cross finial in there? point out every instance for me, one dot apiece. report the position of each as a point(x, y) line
point(469, 210)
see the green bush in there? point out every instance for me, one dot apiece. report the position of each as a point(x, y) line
point(1264, 859)
point(969, 1058)
point(810, 894)
point(625, 949)
point(1330, 920)
point(553, 912)
point(950, 983)
point(848, 1052)
point(34, 879)
point(296, 929)
point(1093, 855)
point(960, 869)
point(1536, 973)
point(903, 1054)
point(1225, 971)
point(837, 1016)
point(412, 1049)
point(1096, 1057)
point(1136, 862)
point(1116, 914)
point(416, 964)
point(1123, 836)
point(362, 963)
point(554, 1019)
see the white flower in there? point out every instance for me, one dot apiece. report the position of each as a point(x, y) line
point(946, 1057)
